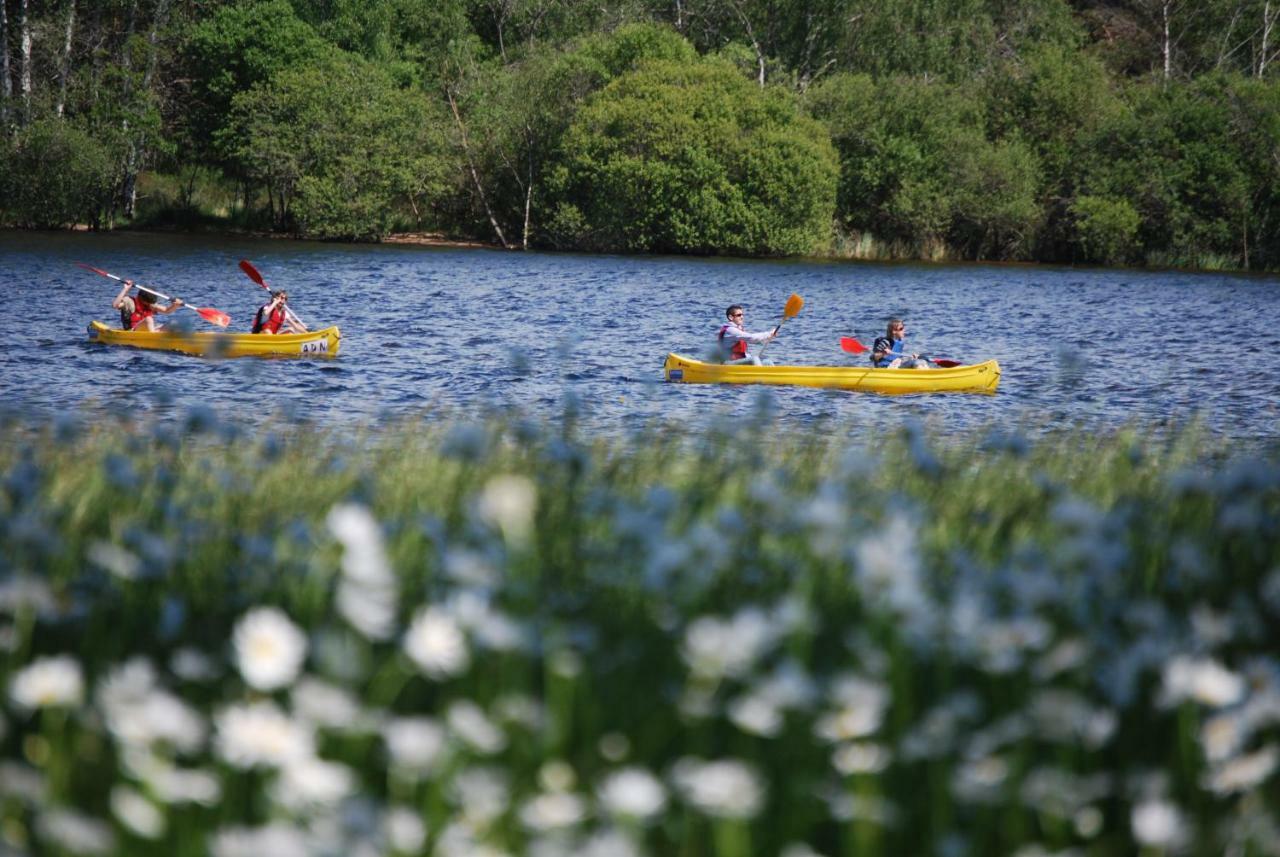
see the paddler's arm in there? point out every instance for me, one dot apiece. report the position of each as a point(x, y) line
point(124, 290)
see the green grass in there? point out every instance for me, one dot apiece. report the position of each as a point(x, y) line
point(907, 649)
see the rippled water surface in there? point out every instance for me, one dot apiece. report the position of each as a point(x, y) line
point(460, 331)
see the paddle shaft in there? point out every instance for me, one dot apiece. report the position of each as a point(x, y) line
point(794, 304)
point(209, 314)
point(775, 333)
point(140, 288)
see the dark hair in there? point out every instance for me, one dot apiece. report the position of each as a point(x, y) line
point(280, 293)
point(732, 308)
point(888, 328)
point(146, 297)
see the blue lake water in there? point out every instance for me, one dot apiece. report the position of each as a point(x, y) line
point(433, 332)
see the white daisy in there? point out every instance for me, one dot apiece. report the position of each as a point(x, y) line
point(724, 789)
point(139, 815)
point(509, 502)
point(261, 734)
point(51, 682)
point(632, 793)
point(1157, 824)
point(269, 648)
point(414, 744)
point(436, 644)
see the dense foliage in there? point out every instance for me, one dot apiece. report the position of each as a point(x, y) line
point(1123, 131)
point(505, 640)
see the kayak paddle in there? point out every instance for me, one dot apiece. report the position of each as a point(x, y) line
point(253, 274)
point(209, 314)
point(795, 303)
point(853, 346)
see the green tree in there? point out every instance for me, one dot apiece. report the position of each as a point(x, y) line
point(997, 211)
point(343, 152)
point(1174, 157)
point(407, 38)
point(900, 141)
point(516, 114)
point(55, 174)
point(1105, 229)
point(680, 157)
point(237, 47)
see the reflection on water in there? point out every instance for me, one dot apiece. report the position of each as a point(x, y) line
point(462, 332)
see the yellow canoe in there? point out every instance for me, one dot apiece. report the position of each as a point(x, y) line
point(315, 343)
point(977, 378)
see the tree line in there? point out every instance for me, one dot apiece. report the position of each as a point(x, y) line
point(1128, 132)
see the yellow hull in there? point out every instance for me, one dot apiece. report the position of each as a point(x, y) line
point(978, 378)
point(316, 343)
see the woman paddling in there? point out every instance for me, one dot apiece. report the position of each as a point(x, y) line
point(274, 315)
point(139, 312)
point(887, 353)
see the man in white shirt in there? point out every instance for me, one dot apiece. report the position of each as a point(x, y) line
point(733, 339)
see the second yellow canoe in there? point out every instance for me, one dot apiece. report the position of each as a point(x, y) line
point(976, 378)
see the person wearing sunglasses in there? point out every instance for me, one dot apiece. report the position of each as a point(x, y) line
point(887, 351)
point(734, 339)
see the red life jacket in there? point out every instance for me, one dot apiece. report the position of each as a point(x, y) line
point(739, 348)
point(272, 322)
point(140, 311)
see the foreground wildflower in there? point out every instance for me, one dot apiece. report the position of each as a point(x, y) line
point(1202, 680)
point(508, 502)
point(52, 682)
point(414, 745)
point(260, 734)
point(140, 714)
point(725, 788)
point(269, 648)
point(1158, 824)
point(368, 596)
point(632, 793)
point(436, 644)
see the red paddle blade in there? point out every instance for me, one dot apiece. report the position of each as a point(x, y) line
point(247, 267)
point(853, 346)
point(95, 270)
point(947, 364)
point(213, 316)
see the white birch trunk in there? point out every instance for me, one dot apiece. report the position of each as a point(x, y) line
point(1268, 22)
point(65, 71)
point(475, 174)
point(6, 80)
point(24, 85)
point(1166, 48)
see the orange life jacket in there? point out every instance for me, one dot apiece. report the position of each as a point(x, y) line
point(739, 349)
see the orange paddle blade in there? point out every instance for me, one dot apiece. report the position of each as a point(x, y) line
point(213, 316)
point(794, 304)
point(853, 346)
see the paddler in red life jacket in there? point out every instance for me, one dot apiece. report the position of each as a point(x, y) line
point(139, 312)
point(733, 339)
point(274, 317)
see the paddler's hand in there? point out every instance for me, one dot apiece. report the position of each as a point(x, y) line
point(177, 301)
